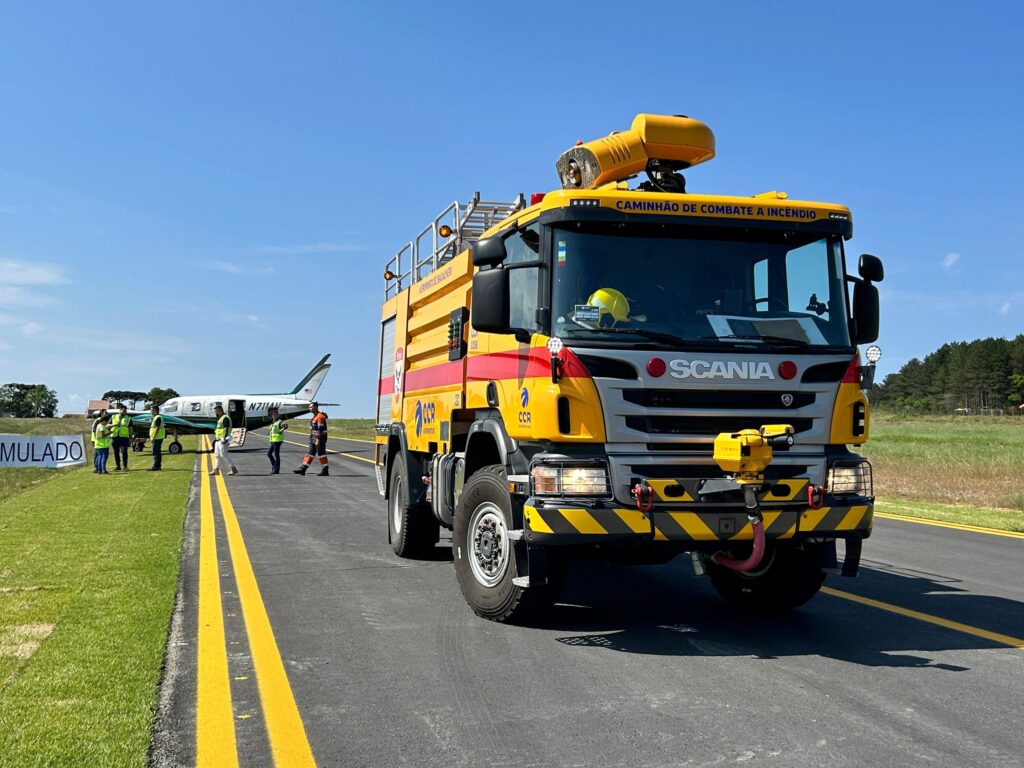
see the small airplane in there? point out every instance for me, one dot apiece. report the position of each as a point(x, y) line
point(193, 414)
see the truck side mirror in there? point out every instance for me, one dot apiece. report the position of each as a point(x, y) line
point(870, 268)
point(865, 312)
point(490, 312)
point(489, 252)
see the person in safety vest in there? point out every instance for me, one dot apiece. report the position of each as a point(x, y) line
point(276, 439)
point(121, 429)
point(221, 441)
point(157, 433)
point(317, 441)
point(95, 454)
point(101, 438)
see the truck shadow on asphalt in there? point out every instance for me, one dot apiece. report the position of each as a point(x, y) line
point(665, 611)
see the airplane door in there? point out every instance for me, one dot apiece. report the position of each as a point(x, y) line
point(236, 410)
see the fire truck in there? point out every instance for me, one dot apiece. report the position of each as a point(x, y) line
point(630, 373)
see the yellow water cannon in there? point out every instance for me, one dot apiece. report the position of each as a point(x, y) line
point(746, 454)
point(658, 144)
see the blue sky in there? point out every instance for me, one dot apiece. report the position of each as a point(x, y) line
point(203, 195)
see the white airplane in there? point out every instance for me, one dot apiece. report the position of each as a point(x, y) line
point(193, 414)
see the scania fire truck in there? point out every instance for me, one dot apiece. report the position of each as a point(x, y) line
point(630, 373)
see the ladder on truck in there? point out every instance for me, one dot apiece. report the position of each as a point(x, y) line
point(454, 230)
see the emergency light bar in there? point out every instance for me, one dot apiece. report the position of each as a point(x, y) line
point(668, 142)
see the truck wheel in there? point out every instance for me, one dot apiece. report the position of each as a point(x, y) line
point(485, 562)
point(789, 577)
point(174, 448)
point(413, 531)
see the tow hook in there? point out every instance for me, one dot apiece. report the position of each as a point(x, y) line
point(644, 495)
point(815, 496)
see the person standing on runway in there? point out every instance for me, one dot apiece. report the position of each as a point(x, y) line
point(222, 439)
point(276, 438)
point(121, 429)
point(317, 441)
point(156, 435)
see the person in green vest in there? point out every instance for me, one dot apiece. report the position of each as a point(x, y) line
point(276, 439)
point(101, 438)
point(95, 454)
point(157, 433)
point(221, 441)
point(121, 430)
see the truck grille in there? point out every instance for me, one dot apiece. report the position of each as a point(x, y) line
point(706, 425)
point(717, 399)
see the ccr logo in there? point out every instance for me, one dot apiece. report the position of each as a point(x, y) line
point(524, 397)
point(426, 413)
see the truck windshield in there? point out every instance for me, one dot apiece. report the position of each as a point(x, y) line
point(616, 286)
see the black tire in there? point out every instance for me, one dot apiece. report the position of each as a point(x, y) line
point(485, 562)
point(788, 577)
point(174, 448)
point(413, 531)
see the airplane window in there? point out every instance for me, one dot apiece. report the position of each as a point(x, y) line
point(196, 407)
point(169, 408)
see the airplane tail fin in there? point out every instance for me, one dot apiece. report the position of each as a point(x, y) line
point(310, 385)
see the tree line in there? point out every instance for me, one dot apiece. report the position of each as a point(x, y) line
point(33, 401)
point(973, 375)
point(155, 396)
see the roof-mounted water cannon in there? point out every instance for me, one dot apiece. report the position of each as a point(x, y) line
point(661, 145)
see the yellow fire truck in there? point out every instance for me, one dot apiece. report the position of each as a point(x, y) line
point(592, 373)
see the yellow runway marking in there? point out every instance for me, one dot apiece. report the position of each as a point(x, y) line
point(215, 727)
point(995, 637)
point(353, 439)
point(956, 526)
point(288, 743)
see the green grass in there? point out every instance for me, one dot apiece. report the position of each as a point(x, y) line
point(1002, 519)
point(959, 469)
point(361, 429)
point(88, 573)
point(14, 481)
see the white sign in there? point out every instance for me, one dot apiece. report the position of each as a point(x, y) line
point(35, 451)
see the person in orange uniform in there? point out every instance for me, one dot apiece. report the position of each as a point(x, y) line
point(317, 441)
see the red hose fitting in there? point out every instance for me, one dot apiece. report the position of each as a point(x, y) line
point(644, 496)
point(755, 555)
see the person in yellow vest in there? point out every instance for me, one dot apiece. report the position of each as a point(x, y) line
point(157, 433)
point(102, 441)
point(276, 439)
point(95, 454)
point(222, 439)
point(121, 429)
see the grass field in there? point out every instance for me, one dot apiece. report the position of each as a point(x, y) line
point(957, 469)
point(14, 481)
point(88, 572)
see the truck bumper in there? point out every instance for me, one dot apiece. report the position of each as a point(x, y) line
point(560, 522)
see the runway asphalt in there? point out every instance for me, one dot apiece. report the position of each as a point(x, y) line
point(639, 666)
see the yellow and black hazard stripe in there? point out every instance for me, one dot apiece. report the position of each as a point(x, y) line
point(683, 491)
point(688, 525)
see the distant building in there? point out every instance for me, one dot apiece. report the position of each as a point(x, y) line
point(95, 406)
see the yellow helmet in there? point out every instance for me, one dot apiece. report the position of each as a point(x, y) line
point(612, 304)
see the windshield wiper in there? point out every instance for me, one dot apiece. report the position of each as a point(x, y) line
point(659, 336)
point(775, 341)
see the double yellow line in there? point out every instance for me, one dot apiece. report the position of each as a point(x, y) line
point(216, 746)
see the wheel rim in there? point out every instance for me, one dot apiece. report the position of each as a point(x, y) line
point(396, 506)
point(488, 544)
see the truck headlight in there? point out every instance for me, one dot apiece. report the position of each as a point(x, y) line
point(850, 477)
point(569, 480)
